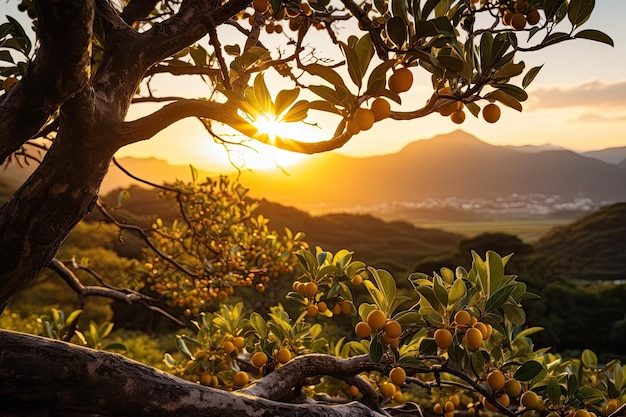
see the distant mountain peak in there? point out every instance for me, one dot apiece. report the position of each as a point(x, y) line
point(455, 139)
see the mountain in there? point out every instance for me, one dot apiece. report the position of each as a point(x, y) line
point(610, 155)
point(591, 248)
point(537, 148)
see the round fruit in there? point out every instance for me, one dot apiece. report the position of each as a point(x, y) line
point(582, 413)
point(239, 342)
point(473, 339)
point(352, 127)
point(357, 280)
point(462, 317)
point(229, 347)
point(310, 289)
point(496, 380)
point(240, 379)
point(458, 117)
point(294, 286)
point(445, 91)
point(259, 359)
point(530, 400)
point(354, 391)
point(483, 329)
point(300, 288)
point(533, 17)
point(489, 330)
point(322, 307)
point(206, 378)
point(398, 376)
point(455, 400)
point(398, 396)
point(376, 319)
point(381, 108)
point(346, 307)
point(312, 310)
point(187, 312)
point(449, 108)
point(283, 356)
point(449, 407)
point(506, 18)
point(391, 341)
point(438, 409)
point(278, 29)
point(362, 329)
point(392, 329)
point(260, 5)
point(364, 118)
point(513, 388)
point(518, 21)
point(401, 80)
point(387, 389)
point(443, 338)
point(503, 400)
point(491, 113)
point(260, 287)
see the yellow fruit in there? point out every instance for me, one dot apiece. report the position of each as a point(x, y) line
point(462, 318)
point(582, 413)
point(362, 329)
point(443, 338)
point(496, 380)
point(278, 29)
point(322, 307)
point(398, 376)
point(530, 400)
point(401, 80)
point(449, 407)
point(438, 409)
point(260, 287)
point(310, 289)
point(391, 341)
point(376, 319)
point(518, 21)
point(259, 359)
point(449, 108)
point(260, 5)
point(357, 280)
point(503, 399)
point(240, 379)
point(187, 312)
point(611, 406)
point(392, 329)
point(398, 397)
point(491, 113)
point(387, 389)
point(9, 83)
point(533, 17)
point(312, 310)
point(354, 391)
point(200, 354)
point(206, 378)
point(352, 127)
point(300, 288)
point(364, 118)
point(489, 330)
point(513, 388)
point(336, 309)
point(458, 117)
point(239, 342)
point(445, 91)
point(294, 286)
point(506, 18)
point(283, 356)
point(229, 347)
point(346, 307)
point(190, 365)
point(473, 339)
point(381, 108)
point(456, 400)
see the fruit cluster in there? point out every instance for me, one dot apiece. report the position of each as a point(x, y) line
point(473, 331)
point(378, 323)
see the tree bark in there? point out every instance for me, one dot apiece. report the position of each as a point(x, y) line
point(40, 376)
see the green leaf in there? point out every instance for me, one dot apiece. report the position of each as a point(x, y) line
point(429, 6)
point(376, 294)
point(233, 50)
point(505, 99)
point(115, 346)
point(326, 73)
point(527, 332)
point(440, 291)
point(594, 35)
point(105, 329)
point(327, 94)
point(73, 316)
point(376, 350)
point(396, 30)
point(590, 394)
point(284, 99)
point(429, 295)
point(6, 56)
point(364, 50)
point(379, 73)
point(457, 291)
point(530, 76)
point(589, 359)
point(21, 35)
point(323, 105)
point(169, 360)
point(451, 62)
point(579, 11)
point(514, 314)
point(353, 64)
point(428, 346)
point(182, 347)
point(496, 270)
point(386, 284)
point(528, 371)
point(554, 391)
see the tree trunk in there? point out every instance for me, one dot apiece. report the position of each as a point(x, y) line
point(46, 377)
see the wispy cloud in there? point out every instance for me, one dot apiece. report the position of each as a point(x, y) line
point(593, 93)
point(598, 118)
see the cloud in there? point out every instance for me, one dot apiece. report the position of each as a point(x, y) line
point(598, 118)
point(593, 93)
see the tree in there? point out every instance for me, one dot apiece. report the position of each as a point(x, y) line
point(69, 97)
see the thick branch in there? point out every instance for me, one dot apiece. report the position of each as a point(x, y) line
point(59, 71)
point(146, 127)
point(48, 375)
point(137, 10)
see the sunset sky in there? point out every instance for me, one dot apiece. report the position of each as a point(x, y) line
point(577, 101)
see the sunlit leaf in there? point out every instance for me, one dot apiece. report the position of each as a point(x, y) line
point(284, 99)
